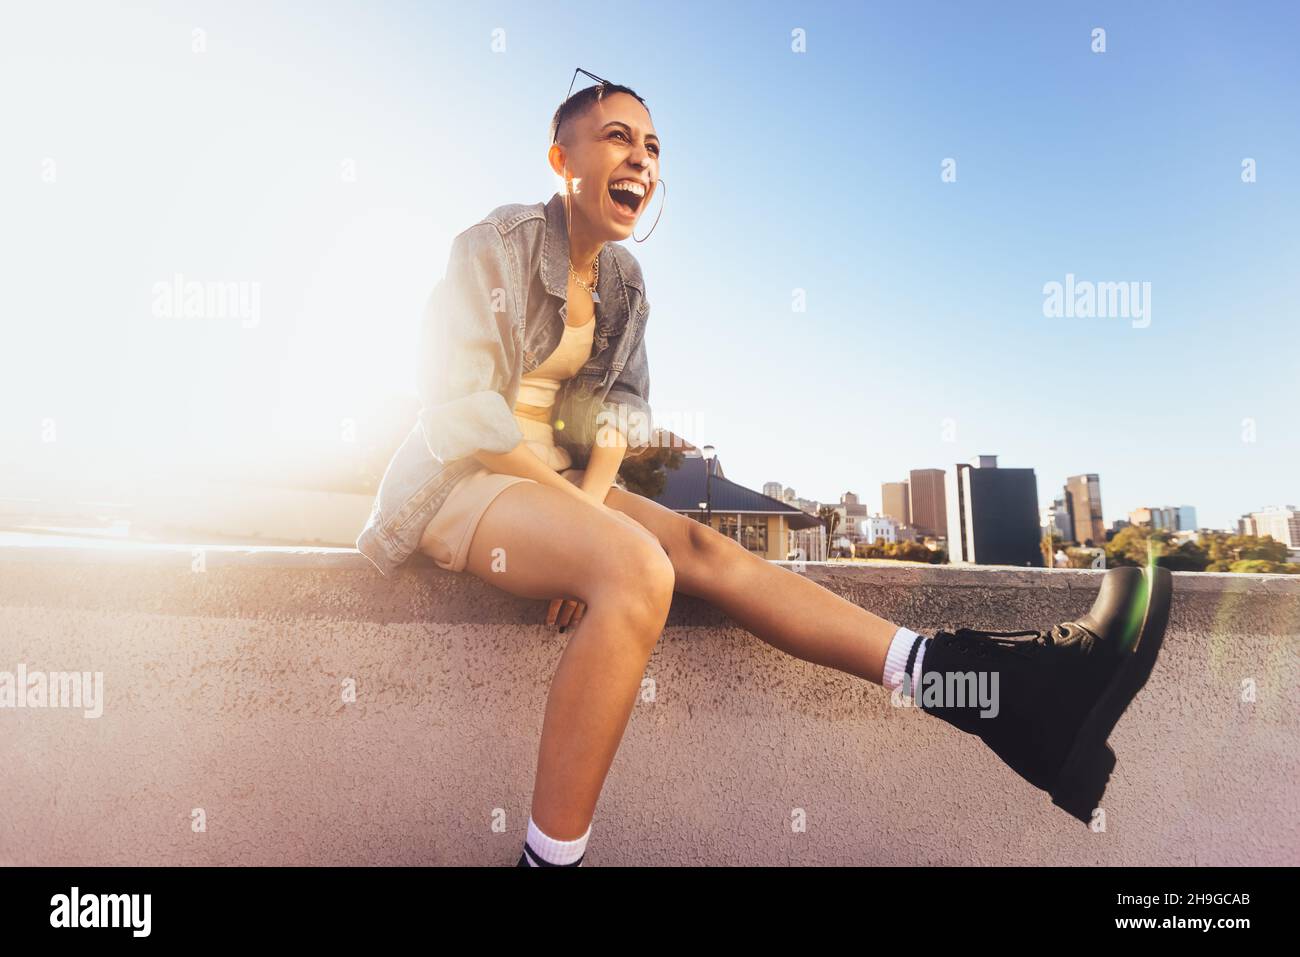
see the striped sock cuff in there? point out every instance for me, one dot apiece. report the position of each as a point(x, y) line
point(542, 850)
point(902, 659)
point(916, 670)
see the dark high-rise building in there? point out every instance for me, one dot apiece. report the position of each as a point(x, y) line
point(928, 503)
point(894, 502)
point(1083, 499)
point(993, 515)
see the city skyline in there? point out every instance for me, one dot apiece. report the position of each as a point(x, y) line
point(1050, 492)
point(1110, 515)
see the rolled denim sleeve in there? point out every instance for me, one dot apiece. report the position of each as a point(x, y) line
point(468, 351)
point(627, 406)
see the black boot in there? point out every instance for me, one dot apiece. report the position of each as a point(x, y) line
point(1045, 702)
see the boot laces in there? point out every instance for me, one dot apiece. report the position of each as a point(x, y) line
point(971, 640)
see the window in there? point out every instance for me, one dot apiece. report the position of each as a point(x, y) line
point(750, 531)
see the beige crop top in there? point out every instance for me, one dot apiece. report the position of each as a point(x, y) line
point(538, 389)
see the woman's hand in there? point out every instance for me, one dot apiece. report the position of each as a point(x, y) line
point(564, 612)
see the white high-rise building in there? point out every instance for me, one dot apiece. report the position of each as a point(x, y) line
point(1282, 522)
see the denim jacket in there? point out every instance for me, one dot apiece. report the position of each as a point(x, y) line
point(497, 315)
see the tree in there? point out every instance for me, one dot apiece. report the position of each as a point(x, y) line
point(1225, 548)
point(1212, 551)
point(1134, 545)
point(901, 552)
point(1080, 558)
point(1256, 566)
point(831, 519)
point(914, 552)
point(645, 472)
point(1187, 557)
point(1049, 544)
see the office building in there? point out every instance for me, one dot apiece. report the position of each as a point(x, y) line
point(928, 506)
point(1181, 518)
point(993, 515)
point(894, 502)
point(1083, 499)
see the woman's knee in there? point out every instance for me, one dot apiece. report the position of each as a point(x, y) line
point(641, 580)
point(706, 551)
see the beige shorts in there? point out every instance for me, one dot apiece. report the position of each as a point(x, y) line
point(448, 536)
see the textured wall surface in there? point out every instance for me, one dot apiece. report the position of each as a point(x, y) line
point(223, 692)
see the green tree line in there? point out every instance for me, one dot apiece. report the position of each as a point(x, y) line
point(1210, 552)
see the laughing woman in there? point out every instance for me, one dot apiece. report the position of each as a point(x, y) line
point(534, 387)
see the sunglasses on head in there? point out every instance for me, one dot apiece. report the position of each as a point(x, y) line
point(601, 80)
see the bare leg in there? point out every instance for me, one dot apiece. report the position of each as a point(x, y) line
point(779, 606)
point(591, 699)
point(797, 615)
point(549, 541)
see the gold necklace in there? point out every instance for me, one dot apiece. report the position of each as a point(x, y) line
point(595, 278)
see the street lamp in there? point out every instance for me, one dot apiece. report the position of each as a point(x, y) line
point(708, 484)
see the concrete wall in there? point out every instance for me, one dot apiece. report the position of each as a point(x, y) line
point(223, 675)
point(246, 511)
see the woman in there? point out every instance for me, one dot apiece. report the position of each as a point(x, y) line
point(534, 363)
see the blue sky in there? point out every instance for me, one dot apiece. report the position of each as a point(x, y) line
point(923, 342)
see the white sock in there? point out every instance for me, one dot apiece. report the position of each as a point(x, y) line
point(540, 849)
point(896, 660)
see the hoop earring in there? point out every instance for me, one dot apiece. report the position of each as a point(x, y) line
point(568, 199)
point(659, 182)
point(568, 218)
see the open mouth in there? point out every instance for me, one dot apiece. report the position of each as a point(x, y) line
point(627, 195)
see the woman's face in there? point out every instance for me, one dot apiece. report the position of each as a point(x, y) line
point(613, 143)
